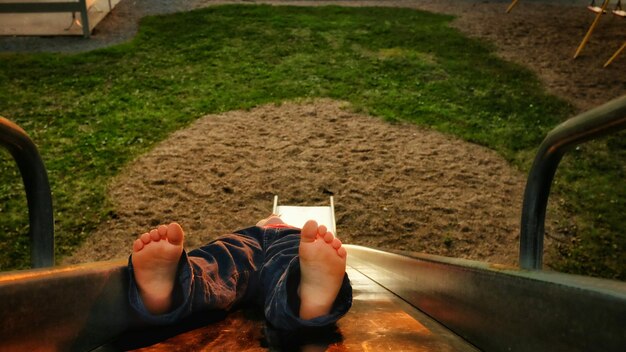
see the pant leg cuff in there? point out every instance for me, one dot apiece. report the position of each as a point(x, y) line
point(180, 303)
point(282, 309)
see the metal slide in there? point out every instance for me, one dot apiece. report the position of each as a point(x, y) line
point(402, 301)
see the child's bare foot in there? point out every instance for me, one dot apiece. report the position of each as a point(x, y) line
point(322, 268)
point(155, 261)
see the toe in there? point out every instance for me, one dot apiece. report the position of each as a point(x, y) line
point(175, 234)
point(137, 245)
point(321, 230)
point(154, 235)
point(328, 237)
point(309, 231)
point(342, 252)
point(336, 243)
point(162, 231)
point(145, 238)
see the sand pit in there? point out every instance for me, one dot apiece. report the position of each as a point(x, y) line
point(395, 185)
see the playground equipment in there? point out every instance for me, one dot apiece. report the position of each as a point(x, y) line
point(402, 300)
point(595, 22)
point(511, 6)
point(618, 11)
point(45, 17)
point(599, 11)
point(615, 55)
point(38, 196)
point(298, 215)
point(595, 8)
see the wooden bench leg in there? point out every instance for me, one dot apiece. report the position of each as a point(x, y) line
point(84, 18)
point(619, 51)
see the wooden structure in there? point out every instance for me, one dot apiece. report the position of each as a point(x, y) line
point(615, 55)
point(52, 17)
point(599, 11)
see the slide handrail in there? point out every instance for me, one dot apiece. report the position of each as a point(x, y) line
point(38, 195)
point(603, 120)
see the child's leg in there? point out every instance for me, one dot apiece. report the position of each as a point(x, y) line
point(304, 279)
point(167, 284)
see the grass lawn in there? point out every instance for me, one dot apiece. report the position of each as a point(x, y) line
point(92, 113)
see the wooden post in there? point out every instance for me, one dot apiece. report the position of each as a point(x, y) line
point(84, 16)
point(615, 55)
point(591, 28)
point(513, 3)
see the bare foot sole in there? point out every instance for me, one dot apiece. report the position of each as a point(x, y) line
point(155, 261)
point(322, 268)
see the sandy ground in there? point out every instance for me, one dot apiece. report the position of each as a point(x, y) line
point(395, 186)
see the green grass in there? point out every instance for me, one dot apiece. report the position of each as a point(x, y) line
point(92, 113)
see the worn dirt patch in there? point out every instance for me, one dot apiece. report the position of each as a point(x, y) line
point(395, 186)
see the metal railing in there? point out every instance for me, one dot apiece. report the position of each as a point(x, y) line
point(603, 120)
point(38, 196)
